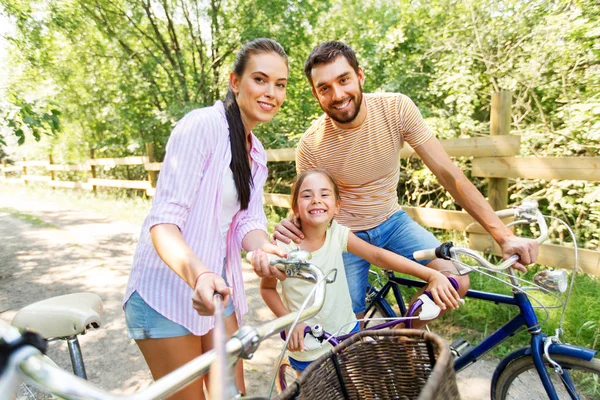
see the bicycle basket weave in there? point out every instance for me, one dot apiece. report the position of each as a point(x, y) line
point(385, 364)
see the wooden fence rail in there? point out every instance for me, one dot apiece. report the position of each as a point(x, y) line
point(495, 157)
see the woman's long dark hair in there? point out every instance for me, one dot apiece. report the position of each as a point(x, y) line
point(240, 166)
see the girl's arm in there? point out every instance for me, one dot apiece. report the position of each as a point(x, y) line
point(268, 291)
point(440, 287)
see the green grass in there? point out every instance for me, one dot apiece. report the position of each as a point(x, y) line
point(32, 219)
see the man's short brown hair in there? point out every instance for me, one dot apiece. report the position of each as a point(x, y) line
point(326, 53)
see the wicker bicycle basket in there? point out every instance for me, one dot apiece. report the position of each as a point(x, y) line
point(385, 364)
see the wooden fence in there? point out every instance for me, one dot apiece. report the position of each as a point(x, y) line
point(495, 157)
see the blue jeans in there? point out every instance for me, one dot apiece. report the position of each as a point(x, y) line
point(398, 234)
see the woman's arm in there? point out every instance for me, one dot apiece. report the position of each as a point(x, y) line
point(441, 289)
point(174, 251)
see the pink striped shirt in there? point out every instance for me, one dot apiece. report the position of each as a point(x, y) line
point(188, 194)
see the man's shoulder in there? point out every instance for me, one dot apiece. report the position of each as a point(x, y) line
point(317, 126)
point(315, 130)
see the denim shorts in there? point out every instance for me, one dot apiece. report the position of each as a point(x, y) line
point(398, 234)
point(144, 322)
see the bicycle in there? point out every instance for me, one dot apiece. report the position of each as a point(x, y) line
point(543, 351)
point(21, 353)
point(429, 310)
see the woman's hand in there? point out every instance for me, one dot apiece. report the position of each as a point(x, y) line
point(442, 291)
point(207, 283)
point(296, 342)
point(260, 261)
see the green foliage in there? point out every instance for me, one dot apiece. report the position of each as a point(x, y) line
point(122, 72)
point(23, 117)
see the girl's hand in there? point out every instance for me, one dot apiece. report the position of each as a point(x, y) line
point(207, 284)
point(296, 342)
point(260, 262)
point(442, 291)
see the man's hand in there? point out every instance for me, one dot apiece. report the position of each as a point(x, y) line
point(296, 342)
point(260, 261)
point(526, 249)
point(287, 230)
point(207, 284)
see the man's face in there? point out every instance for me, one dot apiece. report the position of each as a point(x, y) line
point(338, 89)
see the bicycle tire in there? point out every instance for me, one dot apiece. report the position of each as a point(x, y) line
point(285, 376)
point(520, 380)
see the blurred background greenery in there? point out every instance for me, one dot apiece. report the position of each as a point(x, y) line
point(112, 75)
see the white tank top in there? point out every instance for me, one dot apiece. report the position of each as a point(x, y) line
point(231, 205)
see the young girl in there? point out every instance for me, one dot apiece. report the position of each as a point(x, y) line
point(315, 202)
point(208, 205)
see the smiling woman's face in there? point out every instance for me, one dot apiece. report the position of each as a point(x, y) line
point(260, 91)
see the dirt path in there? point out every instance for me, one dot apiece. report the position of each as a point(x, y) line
point(78, 250)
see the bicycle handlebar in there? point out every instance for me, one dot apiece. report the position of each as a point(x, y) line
point(243, 344)
point(528, 212)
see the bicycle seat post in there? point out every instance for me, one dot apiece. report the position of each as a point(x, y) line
point(76, 357)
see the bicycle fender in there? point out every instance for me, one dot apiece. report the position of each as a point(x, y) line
point(561, 349)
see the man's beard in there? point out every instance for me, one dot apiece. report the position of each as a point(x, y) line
point(344, 120)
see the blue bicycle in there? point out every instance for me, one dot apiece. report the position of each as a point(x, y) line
point(546, 368)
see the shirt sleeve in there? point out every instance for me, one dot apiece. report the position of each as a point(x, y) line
point(341, 233)
point(182, 170)
point(412, 125)
point(304, 157)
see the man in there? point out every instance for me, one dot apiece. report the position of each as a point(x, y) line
point(358, 140)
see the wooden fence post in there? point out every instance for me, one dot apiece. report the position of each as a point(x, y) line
point(93, 170)
point(52, 173)
point(151, 174)
point(24, 170)
point(500, 120)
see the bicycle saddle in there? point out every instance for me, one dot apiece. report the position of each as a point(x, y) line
point(61, 316)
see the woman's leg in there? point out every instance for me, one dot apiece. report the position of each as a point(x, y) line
point(231, 326)
point(167, 354)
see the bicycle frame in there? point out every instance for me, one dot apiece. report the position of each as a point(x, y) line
point(526, 317)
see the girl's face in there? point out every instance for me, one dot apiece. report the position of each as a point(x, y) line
point(260, 91)
point(317, 203)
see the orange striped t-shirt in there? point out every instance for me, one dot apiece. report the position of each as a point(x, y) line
point(365, 160)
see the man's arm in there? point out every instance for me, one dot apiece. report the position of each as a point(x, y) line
point(466, 194)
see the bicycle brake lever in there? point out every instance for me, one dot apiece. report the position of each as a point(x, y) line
point(429, 310)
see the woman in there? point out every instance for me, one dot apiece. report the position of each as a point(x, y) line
point(208, 205)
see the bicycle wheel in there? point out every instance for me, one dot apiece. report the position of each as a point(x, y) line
point(31, 392)
point(381, 309)
point(285, 376)
point(520, 379)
